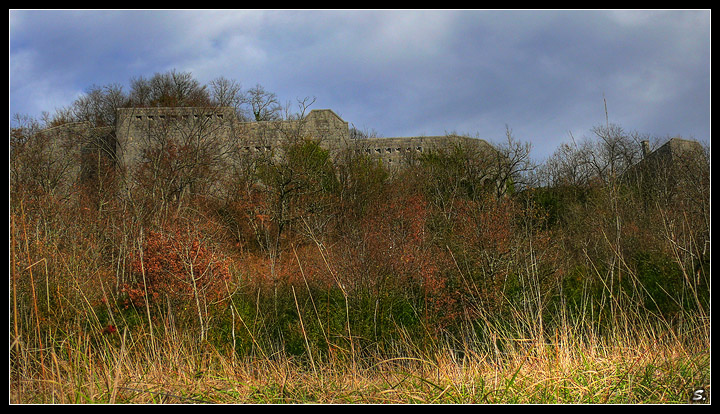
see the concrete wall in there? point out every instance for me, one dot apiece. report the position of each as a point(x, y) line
point(136, 127)
point(65, 150)
point(139, 128)
point(394, 151)
point(672, 166)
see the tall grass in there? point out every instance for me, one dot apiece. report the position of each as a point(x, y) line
point(517, 359)
point(654, 365)
point(609, 341)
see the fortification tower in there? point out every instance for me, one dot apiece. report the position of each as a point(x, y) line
point(137, 127)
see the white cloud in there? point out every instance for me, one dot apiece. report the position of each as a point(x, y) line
point(633, 18)
point(409, 37)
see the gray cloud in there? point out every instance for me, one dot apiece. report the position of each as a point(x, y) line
point(543, 73)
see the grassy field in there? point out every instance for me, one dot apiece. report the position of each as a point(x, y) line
point(641, 365)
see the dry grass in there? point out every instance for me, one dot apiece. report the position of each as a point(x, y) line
point(126, 368)
point(516, 361)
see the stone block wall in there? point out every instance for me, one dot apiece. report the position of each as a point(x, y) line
point(66, 152)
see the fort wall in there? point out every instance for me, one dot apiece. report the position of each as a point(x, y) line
point(394, 151)
point(65, 149)
point(136, 126)
point(217, 132)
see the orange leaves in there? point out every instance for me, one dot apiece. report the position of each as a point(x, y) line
point(396, 232)
point(486, 225)
point(179, 265)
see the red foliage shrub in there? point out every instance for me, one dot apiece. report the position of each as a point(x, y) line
point(395, 236)
point(486, 225)
point(399, 244)
point(178, 266)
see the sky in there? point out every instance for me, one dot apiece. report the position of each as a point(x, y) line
point(547, 75)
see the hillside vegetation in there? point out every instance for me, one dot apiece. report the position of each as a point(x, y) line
point(310, 278)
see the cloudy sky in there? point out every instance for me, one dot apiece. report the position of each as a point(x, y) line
point(544, 74)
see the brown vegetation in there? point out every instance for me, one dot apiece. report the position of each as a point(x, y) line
point(333, 261)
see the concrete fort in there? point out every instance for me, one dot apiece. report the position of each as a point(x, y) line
point(218, 131)
point(138, 126)
point(675, 165)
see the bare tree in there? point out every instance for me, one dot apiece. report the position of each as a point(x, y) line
point(140, 92)
point(302, 107)
point(264, 105)
point(170, 89)
point(227, 92)
point(512, 163)
point(610, 153)
point(98, 105)
point(364, 133)
point(565, 167)
point(179, 158)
